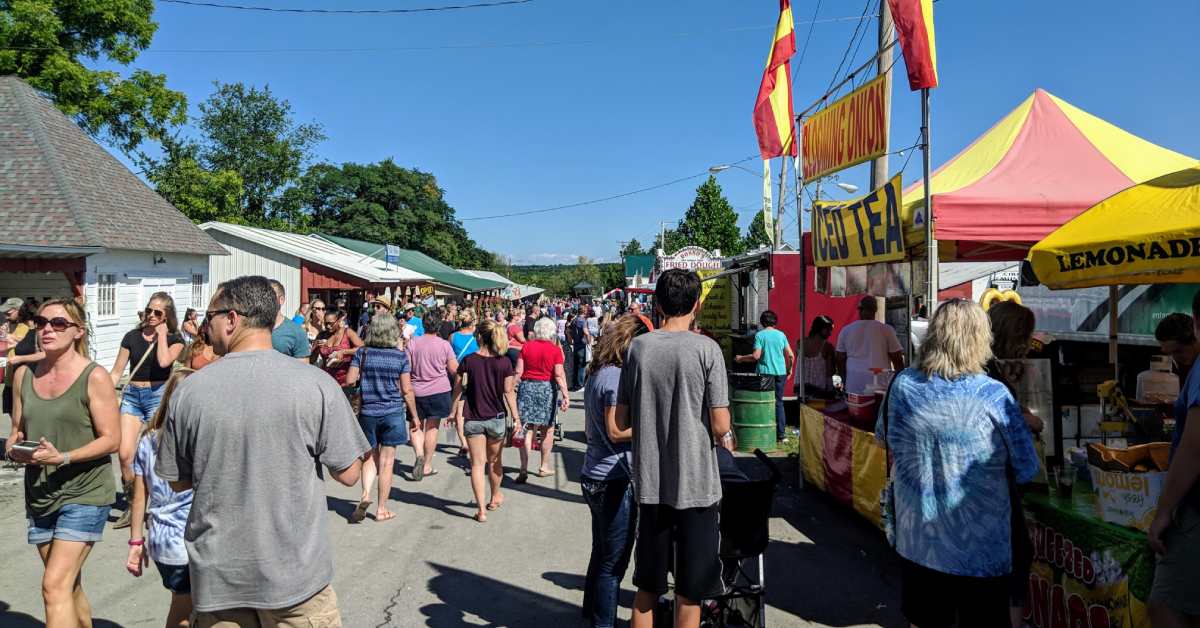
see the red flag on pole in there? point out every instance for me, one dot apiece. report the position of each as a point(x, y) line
point(773, 118)
point(914, 26)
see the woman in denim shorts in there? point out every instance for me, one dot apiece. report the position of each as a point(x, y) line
point(383, 374)
point(66, 405)
point(486, 385)
point(150, 352)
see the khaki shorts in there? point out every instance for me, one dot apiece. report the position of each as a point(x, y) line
point(318, 611)
point(1177, 576)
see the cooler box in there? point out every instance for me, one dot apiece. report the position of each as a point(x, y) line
point(863, 410)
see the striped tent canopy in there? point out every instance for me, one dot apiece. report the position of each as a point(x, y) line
point(1042, 165)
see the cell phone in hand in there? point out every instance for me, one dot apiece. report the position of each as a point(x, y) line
point(25, 446)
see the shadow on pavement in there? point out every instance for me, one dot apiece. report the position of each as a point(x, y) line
point(466, 596)
point(576, 582)
point(434, 502)
point(12, 619)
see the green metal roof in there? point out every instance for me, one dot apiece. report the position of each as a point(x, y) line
point(639, 264)
point(419, 262)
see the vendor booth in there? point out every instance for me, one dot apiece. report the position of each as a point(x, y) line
point(1040, 168)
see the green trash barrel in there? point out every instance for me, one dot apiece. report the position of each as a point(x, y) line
point(754, 419)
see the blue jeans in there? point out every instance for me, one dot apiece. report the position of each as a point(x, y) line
point(142, 402)
point(580, 355)
point(614, 521)
point(780, 414)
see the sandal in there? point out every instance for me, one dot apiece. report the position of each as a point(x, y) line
point(418, 471)
point(360, 511)
point(431, 473)
point(479, 517)
point(544, 474)
point(387, 516)
point(521, 479)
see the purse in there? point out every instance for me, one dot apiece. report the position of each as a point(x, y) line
point(356, 396)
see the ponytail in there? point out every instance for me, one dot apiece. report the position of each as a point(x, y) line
point(493, 335)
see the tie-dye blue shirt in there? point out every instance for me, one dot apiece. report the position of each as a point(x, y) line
point(167, 511)
point(950, 442)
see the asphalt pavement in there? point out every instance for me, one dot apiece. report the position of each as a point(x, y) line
point(435, 566)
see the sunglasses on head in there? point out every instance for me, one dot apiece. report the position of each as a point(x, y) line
point(58, 323)
point(151, 311)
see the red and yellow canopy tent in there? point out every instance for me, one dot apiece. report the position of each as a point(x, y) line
point(1040, 166)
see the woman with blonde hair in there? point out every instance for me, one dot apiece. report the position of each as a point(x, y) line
point(150, 351)
point(606, 477)
point(486, 386)
point(65, 404)
point(542, 392)
point(958, 441)
point(200, 353)
point(165, 513)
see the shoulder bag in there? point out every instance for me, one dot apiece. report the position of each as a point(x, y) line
point(463, 352)
point(125, 379)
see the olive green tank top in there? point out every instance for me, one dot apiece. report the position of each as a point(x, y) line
point(65, 421)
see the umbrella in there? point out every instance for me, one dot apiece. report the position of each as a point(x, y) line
point(1148, 233)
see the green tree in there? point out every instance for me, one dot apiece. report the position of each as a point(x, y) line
point(55, 46)
point(756, 233)
point(249, 131)
point(199, 193)
point(384, 203)
point(711, 222)
point(675, 241)
point(633, 247)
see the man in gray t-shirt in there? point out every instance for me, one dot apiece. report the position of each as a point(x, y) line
point(249, 434)
point(674, 393)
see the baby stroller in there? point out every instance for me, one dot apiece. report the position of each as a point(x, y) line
point(745, 515)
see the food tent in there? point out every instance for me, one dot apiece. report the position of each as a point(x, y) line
point(1039, 167)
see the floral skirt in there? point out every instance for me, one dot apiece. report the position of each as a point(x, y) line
point(536, 401)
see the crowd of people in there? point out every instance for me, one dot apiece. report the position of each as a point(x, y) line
point(209, 417)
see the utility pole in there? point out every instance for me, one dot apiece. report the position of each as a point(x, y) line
point(883, 66)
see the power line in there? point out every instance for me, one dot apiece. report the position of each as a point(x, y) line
point(857, 27)
point(803, 51)
point(241, 7)
point(461, 46)
point(601, 200)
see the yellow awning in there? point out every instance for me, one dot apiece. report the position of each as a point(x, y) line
point(1148, 233)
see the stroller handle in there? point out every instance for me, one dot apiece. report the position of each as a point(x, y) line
point(776, 476)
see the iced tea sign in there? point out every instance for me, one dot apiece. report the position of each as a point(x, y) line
point(861, 231)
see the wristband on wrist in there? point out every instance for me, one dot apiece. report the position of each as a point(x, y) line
point(137, 542)
point(66, 458)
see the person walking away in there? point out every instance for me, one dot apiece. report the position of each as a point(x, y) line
point(200, 353)
point(957, 442)
point(486, 384)
point(464, 343)
point(1174, 533)
point(674, 394)
point(581, 339)
point(817, 354)
point(606, 475)
point(1012, 327)
point(66, 404)
point(432, 363)
point(866, 344)
point(287, 337)
point(150, 351)
point(541, 394)
point(190, 328)
point(23, 344)
point(337, 347)
point(165, 513)
point(774, 358)
point(449, 322)
point(236, 432)
point(388, 404)
point(516, 334)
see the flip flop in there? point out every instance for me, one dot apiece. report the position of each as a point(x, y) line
point(480, 518)
point(387, 516)
point(544, 474)
point(521, 479)
point(418, 471)
point(432, 472)
point(360, 511)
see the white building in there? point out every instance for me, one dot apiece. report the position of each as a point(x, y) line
point(75, 222)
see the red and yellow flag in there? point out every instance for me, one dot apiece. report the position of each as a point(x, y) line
point(773, 119)
point(914, 26)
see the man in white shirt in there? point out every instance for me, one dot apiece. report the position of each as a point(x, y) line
point(866, 344)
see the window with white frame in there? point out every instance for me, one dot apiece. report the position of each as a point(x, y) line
point(198, 291)
point(106, 294)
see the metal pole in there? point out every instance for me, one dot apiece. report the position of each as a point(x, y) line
point(931, 252)
point(883, 67)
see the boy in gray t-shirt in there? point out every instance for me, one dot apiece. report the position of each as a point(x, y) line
point(674, 394)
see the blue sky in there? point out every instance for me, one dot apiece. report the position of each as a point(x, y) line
point(554, 102)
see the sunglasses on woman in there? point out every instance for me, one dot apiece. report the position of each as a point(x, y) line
point(153, 312)
point(58, 323)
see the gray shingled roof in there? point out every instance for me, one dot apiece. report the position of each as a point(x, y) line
point(58, 187)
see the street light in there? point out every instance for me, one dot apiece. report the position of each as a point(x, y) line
point(724, 167)
point(850, 188)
